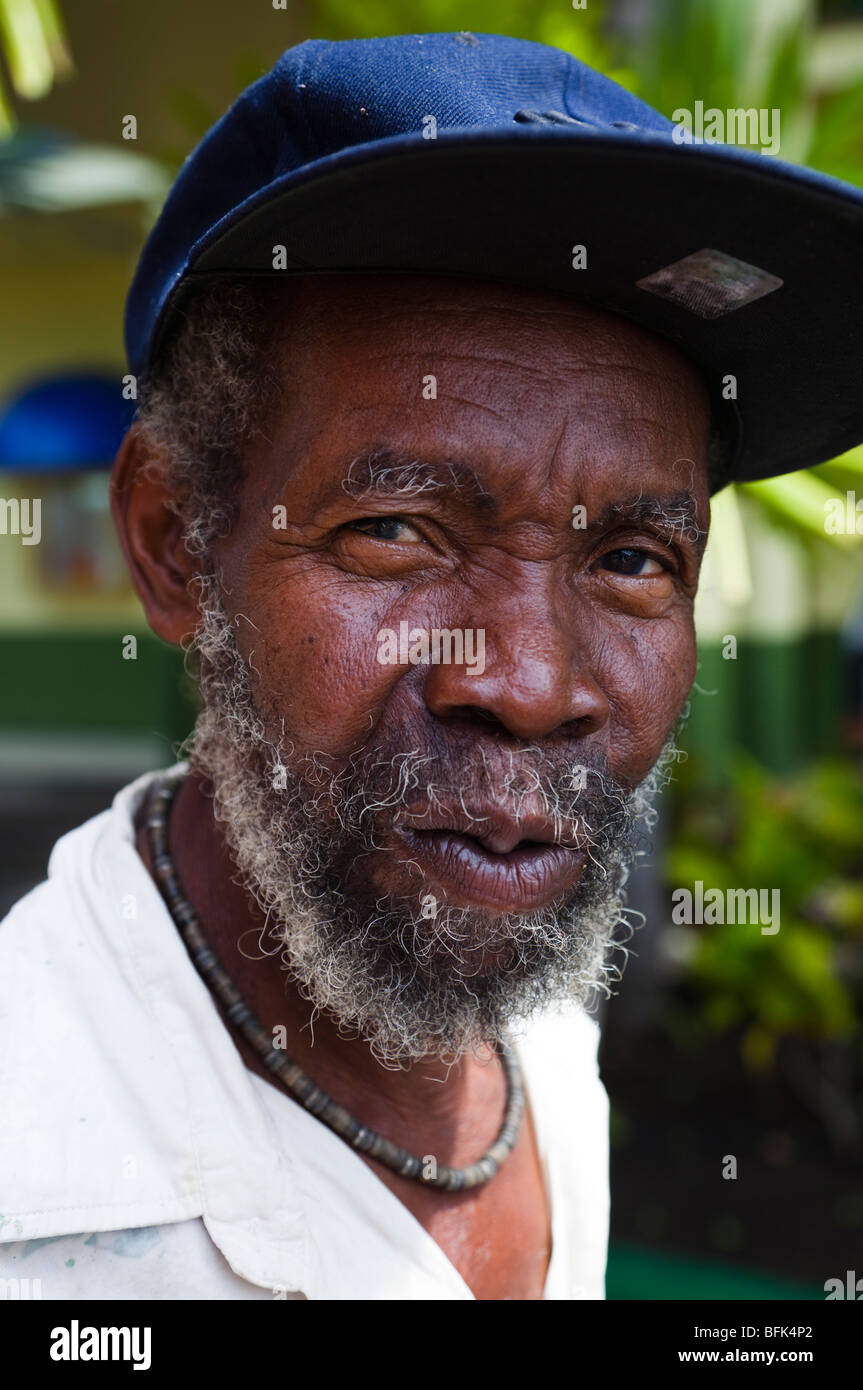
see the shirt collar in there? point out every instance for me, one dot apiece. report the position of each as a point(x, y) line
point(131, 1099)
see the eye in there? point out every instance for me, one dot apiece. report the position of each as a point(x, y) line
point(386, 528)
point(639, 564)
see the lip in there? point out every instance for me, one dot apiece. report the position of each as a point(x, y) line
point(523, 878)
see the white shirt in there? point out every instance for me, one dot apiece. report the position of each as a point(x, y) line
point(140, 1158)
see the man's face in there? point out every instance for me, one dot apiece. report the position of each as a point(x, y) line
point(509, 466)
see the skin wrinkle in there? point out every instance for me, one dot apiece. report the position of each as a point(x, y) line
point(247, 820)
point(587, 665)
point(527, 370)
point(553, 456)
point(465, 400)
point(677, 514)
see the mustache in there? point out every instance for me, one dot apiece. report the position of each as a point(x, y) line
point(554, 797)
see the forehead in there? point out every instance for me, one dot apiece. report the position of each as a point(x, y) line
point(491, 373)
point(341, 314)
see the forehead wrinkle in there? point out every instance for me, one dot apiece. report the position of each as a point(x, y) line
point(566, 316)
point(473, 359)
point(373, 407)
point(593, 367)
point(638, 437)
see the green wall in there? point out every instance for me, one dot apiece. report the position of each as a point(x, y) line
point(782, 700)
point(80, 681)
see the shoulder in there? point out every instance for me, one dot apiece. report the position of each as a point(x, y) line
point(562, 1043)
point(86, 1076)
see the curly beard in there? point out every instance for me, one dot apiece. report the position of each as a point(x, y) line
point(410, 981)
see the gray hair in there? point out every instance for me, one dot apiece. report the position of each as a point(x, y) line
point(211, 391)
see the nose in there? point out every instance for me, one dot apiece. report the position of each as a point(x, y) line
point(538, 675)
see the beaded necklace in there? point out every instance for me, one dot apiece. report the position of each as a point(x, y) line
point(289, 1073)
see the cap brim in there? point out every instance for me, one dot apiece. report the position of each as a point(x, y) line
point(511, 206)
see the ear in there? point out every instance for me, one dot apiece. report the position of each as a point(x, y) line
point(151, 536)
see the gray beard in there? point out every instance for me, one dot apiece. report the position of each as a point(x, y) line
point(411, 982)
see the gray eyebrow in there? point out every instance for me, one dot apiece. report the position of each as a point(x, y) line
point(675, 514)
point(383, 473)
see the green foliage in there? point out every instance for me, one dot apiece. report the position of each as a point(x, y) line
point(577, 31)
point(837, 139)
point(692, 49)
point(34, 47)
point(730, 53)
point(804, 836)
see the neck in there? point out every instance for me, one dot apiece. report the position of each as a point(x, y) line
point(450, 1111)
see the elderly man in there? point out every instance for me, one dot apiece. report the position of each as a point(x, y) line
point(305, 1016)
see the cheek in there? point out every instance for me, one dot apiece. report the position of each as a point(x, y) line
point(317, 668)
point(647, 672)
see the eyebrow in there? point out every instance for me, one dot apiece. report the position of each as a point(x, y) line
point(383, 473)
point(675, 514)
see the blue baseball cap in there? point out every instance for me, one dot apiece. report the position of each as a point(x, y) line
point(494, 158)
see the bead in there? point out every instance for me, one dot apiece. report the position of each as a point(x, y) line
point(312, 1097)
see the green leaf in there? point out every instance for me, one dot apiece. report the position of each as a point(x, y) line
point(55, 37)
point(802, 499)
point(26, 46)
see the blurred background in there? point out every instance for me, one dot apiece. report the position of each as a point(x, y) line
point(723, 1042)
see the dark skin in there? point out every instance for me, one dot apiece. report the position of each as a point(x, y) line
point(589, 632)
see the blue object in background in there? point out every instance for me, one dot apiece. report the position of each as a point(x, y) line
point(64, 424)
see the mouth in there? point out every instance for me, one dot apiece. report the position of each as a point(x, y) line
point(500, 864)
